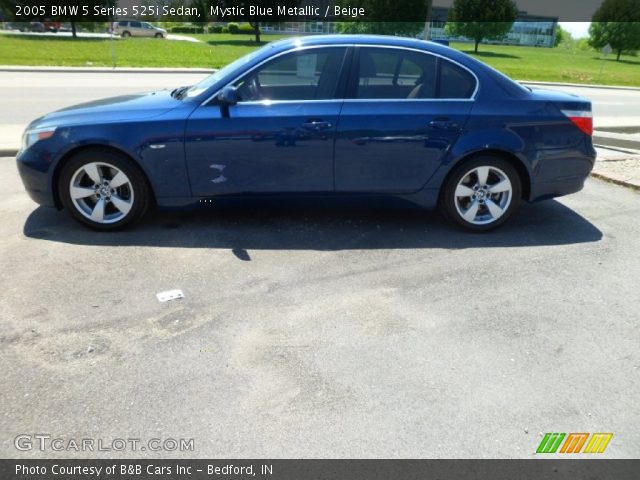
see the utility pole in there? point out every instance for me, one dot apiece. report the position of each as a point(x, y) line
point(427, 22)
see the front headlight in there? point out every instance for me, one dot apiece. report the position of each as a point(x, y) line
point(29, 137)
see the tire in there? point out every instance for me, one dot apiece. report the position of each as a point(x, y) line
point(125, 34)
point(481, 194)
point(159, 35)
point(103, 190)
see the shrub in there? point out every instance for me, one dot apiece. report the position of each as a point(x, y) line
point(246, 28)
point(215, 28)
point(187, 29)
point(234, 28)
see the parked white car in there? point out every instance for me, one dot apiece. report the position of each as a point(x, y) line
point(135, 28)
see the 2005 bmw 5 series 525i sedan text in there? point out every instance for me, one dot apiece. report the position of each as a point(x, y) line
point(341, 116)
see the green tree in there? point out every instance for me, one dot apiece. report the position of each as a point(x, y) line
point(73, 18)
point(616, 23)
point(255, 22)
point(562, 36)
point(387, 17)
point(481, 19)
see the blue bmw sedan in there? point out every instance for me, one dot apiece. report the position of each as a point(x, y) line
point(350, 116)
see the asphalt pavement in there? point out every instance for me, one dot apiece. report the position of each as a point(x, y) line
point(25, 96)
point(322, 333)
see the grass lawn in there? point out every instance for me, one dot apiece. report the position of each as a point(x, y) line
point(558, 64)
point(216, 50)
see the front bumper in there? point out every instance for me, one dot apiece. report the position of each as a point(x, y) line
point(35, 169)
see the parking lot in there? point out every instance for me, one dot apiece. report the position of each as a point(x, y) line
point(323, 332)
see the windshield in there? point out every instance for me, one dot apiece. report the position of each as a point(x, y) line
point(211, 80)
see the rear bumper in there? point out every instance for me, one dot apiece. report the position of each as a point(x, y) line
point(34, 169)
point(557, 188)
point(562, 174)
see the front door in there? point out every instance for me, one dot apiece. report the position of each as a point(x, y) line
point(406, 111)
point(279, 136)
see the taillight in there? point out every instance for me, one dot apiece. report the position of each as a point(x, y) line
point(581, 119)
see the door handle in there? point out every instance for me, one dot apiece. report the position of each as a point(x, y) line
point(443, 124)
point(316, 125)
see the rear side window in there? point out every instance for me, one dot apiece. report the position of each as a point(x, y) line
point(134, 24)
point(395, 74)
point(455, 81)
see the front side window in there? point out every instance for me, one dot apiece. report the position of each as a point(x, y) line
point(395, 74)
point(302, 75)
point(134, 24)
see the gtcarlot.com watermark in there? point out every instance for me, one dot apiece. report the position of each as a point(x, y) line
point(45, 442)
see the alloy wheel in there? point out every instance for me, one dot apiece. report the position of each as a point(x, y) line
point(101, 192)
point(483, 195)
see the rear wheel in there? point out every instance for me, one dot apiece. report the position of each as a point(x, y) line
point(126, 34)
point(481, 194)
point(103, 190)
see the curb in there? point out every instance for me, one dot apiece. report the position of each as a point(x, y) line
point(580, 85)
point(612, 178)
point(611, 141)
point(35, 69)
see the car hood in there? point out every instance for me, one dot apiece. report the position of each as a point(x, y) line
point(135, 107)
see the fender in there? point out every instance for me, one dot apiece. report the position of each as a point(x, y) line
point(489, 139)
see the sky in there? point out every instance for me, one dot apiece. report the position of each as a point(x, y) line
point(577, 29)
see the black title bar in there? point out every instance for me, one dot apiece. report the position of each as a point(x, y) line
point(555, 469)
point(313, 10)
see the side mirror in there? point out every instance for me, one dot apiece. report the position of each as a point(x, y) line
point(227, 96)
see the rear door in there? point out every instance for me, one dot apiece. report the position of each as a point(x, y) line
point(407, 108)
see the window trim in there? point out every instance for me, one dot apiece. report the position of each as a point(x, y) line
point(339, 86)
point(354, 77)
point(348, 66)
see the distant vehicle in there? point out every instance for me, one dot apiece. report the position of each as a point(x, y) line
point(333, 116)
point(134, 28)
point(37, 27)
point(52, 26)
point(12, 26)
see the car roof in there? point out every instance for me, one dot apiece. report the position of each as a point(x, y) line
point(479, 68)
point(385, 40)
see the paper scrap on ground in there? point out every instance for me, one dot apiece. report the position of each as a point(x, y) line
point(169, 295)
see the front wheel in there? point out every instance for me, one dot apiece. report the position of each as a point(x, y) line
point(103, 190)
point(159, 35)
point(481, 194)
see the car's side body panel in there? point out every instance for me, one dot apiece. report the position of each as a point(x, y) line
point(262, 148)
point(394, 146)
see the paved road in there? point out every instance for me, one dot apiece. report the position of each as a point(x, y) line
point(323, 333)
point(611, 108)
point(25, 96)
point(28, 95)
